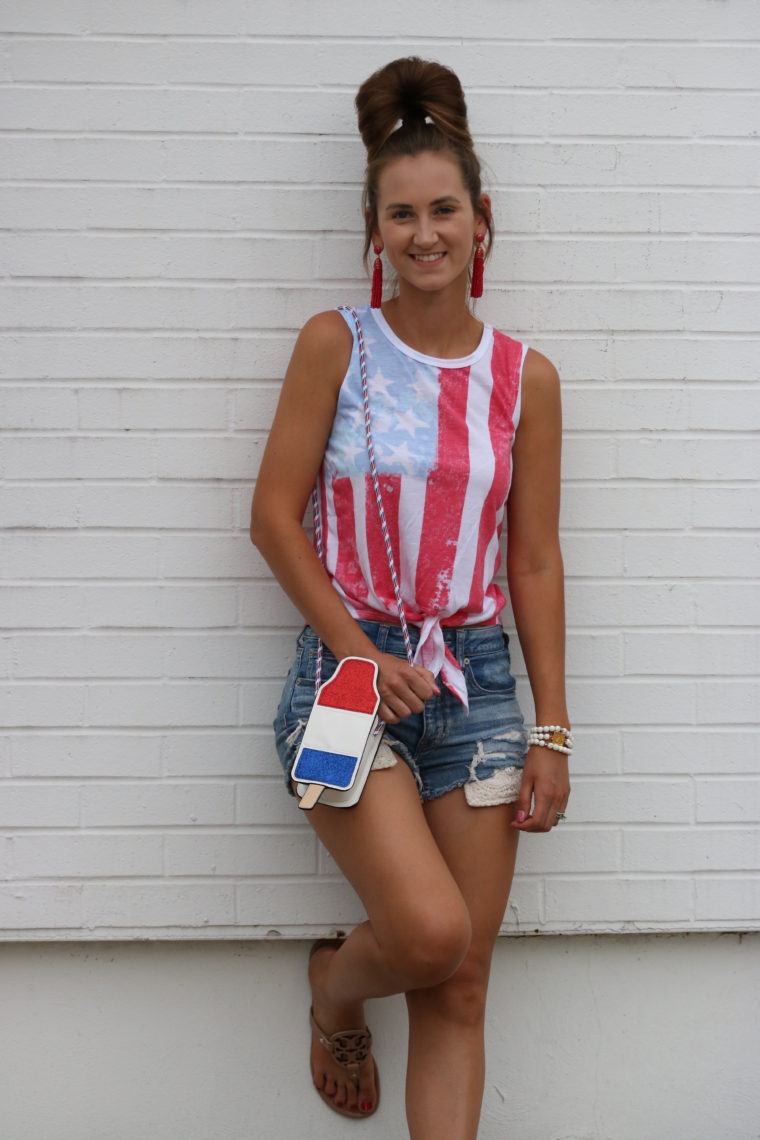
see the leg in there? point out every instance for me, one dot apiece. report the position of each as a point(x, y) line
point(446, 1022)
point(418, 929)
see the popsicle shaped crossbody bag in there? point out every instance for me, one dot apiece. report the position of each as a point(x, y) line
point(341, 737)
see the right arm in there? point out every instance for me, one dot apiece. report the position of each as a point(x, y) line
point(289, 467)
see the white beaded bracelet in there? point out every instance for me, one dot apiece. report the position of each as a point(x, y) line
point(548, 730)
point(552, 736)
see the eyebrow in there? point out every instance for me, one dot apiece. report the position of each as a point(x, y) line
point(435, 202)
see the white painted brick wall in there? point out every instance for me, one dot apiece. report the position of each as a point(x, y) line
point(179, 190)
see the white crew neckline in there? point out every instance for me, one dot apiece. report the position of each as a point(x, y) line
point(439, 361)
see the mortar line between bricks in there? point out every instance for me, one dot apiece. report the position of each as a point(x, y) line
point(85, 35)
point(539, 91)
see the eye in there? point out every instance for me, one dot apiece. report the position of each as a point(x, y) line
point(401, 214)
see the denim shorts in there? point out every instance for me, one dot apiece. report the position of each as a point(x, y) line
point(444, 746)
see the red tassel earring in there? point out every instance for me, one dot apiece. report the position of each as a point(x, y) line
point(476, 288)
point(377, 279)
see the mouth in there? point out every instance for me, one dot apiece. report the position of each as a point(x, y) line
point(428, 258)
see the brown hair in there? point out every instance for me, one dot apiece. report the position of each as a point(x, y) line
point(428, 99)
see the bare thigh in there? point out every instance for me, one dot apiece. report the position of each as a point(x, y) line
point(387, 851)
point(480, 850)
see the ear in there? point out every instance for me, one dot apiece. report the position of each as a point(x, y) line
point(483, 211)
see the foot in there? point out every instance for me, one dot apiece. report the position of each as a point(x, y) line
point(344, 1091)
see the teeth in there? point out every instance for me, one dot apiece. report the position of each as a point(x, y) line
point(426, 256)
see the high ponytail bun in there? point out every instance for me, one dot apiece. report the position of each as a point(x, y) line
point(408, 107)
point(410, 91)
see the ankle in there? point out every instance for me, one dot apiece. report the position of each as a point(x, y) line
point(331, 1007)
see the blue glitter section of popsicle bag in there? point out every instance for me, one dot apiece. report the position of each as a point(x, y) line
point(334, 768)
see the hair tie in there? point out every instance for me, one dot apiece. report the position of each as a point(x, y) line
point(412, 117)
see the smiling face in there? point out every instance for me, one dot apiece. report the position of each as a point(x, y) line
point(426, 221)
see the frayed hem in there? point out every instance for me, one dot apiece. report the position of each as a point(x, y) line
point(503, 787)
point(384, 758)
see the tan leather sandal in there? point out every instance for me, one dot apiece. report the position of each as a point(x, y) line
point(349, 1047)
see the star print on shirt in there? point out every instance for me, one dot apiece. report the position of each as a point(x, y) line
point(380, 385)
point(405, 421)
point(403, 401)
point(412, 422)
point(401, 461)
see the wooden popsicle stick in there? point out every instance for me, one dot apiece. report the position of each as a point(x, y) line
point(310, 796)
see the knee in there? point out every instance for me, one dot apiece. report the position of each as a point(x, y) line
point(460, 999)
point(434, 947)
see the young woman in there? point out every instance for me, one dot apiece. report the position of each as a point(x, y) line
point(462, 417)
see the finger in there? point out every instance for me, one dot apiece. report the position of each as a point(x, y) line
point(545, 816)
point(553, 806)
point(402, 700)
point(392, 711)
point(421, 682)
point(545, 813)
point(421, 671)
point(541, 819)
point(409, 697)
point(522, 818)
point(405, 692)
point(532, 824)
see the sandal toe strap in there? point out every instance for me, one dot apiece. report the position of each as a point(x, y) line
point(349, 1047)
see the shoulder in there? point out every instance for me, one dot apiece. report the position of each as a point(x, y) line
point(538, 371)
point(326, 333)
point(540, 381)
point(323, 352)
point(540, 397)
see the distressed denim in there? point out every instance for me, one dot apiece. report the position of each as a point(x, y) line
point(444, 746)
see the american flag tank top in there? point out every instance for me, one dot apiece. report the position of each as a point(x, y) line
point(443, 432)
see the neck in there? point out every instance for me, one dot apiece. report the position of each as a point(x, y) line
point(436, 324)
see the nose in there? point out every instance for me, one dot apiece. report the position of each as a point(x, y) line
point(426, 234)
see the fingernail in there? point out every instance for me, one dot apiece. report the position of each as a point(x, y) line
point(521, 817)
point(365, 1105)
point(436, 690)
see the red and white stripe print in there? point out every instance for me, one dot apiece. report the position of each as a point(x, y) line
point(442, 433)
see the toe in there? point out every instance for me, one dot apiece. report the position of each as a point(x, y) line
point(366, 1093)
point(341, 1096)
point(318, 1077)
point(330, 1087)
point(350, 1094)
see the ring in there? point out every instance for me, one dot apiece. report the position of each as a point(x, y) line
point(560, 815)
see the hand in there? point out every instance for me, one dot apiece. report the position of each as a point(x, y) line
point(403, 688)
point(545, 781)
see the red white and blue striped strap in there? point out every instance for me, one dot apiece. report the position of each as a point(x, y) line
point(317, 511)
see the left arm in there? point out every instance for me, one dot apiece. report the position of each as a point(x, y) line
point(536, 583)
